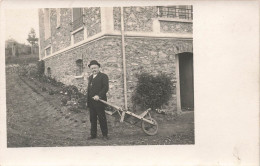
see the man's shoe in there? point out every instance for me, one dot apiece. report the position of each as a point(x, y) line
point(89, 138)
point(105, 138)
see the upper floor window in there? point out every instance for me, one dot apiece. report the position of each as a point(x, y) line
point(58, 17)
point(47, 27)
point(180, 12)
point(77, 18)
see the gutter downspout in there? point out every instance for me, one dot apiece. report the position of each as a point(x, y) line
point(124, 61)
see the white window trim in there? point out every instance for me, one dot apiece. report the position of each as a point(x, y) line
point(77, 77)
point(77, 30)
point(58, 17)
point(174, 20)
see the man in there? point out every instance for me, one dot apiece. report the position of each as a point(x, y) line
point(97, 88)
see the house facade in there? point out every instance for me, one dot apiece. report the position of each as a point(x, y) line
point(125, 41)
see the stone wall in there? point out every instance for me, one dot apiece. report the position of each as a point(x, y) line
point(92, 20)
point(153, 56)
point(60, 36)
point(176, 27)
point(142, 55)
point(106, 51)
point(137, 19)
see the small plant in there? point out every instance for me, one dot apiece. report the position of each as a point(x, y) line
point(64, 100)
point(82, 102)
point(70, 90)
point(73, 108)
point(43, 89)
point(51, 92)
point(22, 71)
point(152, 91)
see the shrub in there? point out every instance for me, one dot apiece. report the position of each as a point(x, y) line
point(64, 100)
point(51, 92)
point(22, 71)
point(82, 102)
point(40, 67)
point(70, 90)
point(152, 91)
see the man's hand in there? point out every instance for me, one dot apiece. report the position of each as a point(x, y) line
point(96, 97)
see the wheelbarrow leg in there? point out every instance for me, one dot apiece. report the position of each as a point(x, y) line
point(122, 116)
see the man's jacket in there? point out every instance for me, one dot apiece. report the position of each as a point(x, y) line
point(97, 86)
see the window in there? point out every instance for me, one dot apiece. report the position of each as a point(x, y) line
point(77, 18)
point(48, 51)
point(47, 27)
point(180, 12)
point(49, 72)
point(79, 67)
point(58, 17)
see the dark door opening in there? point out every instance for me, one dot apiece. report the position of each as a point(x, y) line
point(186, 81)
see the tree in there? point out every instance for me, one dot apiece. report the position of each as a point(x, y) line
point(32, 39)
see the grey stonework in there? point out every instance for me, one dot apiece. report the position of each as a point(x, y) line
point(92, 20)
point(176, 27)
point(142, 55)
point(60, 37)
point(137, 19)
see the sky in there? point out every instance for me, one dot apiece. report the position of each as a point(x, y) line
point(19, 23)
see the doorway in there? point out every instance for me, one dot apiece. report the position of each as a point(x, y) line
point(186, 81)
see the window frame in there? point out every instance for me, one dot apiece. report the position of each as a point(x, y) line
point(79, 19)
point(177, 12)
point(79, 68)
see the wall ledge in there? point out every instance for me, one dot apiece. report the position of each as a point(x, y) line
point(102, 35)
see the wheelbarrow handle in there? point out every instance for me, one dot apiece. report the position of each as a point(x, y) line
point(116, 107)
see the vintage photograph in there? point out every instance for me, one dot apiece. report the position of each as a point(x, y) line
point(99, 76)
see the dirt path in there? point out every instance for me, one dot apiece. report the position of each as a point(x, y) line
point(37, 120)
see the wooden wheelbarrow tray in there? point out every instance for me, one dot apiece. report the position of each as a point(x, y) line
point(148, 124)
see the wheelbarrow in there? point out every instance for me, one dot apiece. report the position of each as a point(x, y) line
point(148, 124)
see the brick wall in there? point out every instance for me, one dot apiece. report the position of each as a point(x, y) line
point(142, 55)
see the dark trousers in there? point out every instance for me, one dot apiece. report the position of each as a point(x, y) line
point(94, 113)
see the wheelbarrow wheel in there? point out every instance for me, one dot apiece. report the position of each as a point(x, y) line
point(150, 129)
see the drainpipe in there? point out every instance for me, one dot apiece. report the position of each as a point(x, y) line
point(124, 60)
